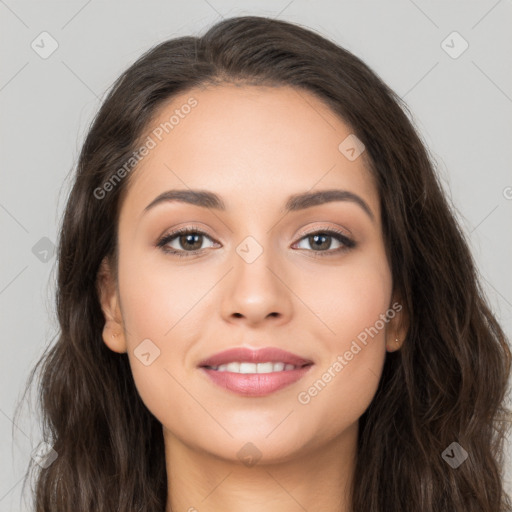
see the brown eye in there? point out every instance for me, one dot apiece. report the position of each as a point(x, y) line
point(190, 241)
point(321, 242)
point(183, 241)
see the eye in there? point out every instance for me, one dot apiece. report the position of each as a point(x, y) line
point(323, 240)
point(185, 238)
point(191, 238)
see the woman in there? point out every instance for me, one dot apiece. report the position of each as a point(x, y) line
point(264, 299)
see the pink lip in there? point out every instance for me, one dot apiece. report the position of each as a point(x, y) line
point(255, 384)
point(247, 355)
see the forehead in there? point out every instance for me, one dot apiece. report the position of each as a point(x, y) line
point(249, 144)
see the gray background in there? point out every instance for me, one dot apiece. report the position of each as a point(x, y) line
point(462, 109)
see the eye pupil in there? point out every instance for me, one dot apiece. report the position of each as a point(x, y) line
point(317, 237)
point(185, 239)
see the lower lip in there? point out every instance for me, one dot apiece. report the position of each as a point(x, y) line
point(255, 384)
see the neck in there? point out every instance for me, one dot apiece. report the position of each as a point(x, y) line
point(316, 480)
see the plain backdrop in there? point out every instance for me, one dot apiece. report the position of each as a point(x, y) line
point(461, 99)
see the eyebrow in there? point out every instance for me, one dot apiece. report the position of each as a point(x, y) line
point(294, 203)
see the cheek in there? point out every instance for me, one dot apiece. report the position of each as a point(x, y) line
point(352, 302)
point(155, 302)
point(156, 297)
point(348, 299)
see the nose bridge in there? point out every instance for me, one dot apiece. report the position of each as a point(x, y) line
point(254, 259)
point(256, 292)
point(256, 238)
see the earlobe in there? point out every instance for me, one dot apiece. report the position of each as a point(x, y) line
point(396, 344)
point(398, 328)
point(115, 340)
point(113, 332)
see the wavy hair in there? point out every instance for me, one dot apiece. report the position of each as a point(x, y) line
point(448, 383)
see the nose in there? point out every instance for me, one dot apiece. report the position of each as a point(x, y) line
point(256, 290)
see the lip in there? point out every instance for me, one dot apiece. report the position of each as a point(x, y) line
point(255, 384)
point(262, 355)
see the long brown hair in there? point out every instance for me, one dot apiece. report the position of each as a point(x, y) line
point(448, 382)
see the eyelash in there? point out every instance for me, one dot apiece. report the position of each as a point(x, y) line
point(333, 233)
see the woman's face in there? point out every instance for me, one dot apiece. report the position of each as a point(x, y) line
point(259, 278)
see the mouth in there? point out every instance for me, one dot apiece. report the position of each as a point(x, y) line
point(250, 372)
point(259, 368)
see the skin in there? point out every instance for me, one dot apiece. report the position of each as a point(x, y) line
point(254, 146)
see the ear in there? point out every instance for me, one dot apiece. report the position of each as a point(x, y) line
point(113, 331)
point(398, 326)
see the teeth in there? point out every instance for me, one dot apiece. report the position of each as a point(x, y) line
point(269, 367)
point(232, 367)
point(264, 367)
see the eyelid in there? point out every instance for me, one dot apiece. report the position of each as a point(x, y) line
point(187, 227)
point(337, 229)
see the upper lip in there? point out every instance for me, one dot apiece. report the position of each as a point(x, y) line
point(248, 355)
